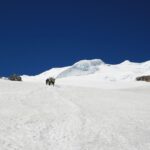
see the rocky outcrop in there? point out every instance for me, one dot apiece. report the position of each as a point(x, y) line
point(143, 78)
point(15, 77)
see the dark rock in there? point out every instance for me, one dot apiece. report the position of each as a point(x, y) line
point(15, 77)
point(143, 78)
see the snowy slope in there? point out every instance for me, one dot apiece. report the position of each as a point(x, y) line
point(96, 69)
point(94, 106)
point(83, 67)
point(41, 77)
point(38, 117)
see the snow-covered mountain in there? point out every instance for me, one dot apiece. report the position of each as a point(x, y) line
point(83, 67)
point(83, 111)
point(96, 69)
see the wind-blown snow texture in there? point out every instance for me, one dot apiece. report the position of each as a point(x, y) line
point(102, 109)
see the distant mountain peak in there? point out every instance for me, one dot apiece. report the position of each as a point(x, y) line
point(126, 62)
point(97, 69)
point(82, 67)
point(87, 63)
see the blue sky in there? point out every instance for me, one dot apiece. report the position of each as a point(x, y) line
point(38, 35)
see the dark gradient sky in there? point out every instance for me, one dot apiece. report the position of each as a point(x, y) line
point(38, 35)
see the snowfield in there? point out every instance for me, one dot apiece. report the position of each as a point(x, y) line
point(104, 109)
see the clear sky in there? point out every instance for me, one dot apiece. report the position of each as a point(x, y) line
point(38, 35)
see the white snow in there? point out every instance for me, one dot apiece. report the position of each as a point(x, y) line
point(41, 77)
point(97, 69)
point(101, 110)
point(83, 67)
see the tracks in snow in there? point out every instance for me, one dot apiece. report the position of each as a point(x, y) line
point(41, 119)
point(37, 117)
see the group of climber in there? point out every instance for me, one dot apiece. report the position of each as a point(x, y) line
point(50, 81)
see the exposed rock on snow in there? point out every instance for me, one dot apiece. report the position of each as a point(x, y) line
point(143, 78)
